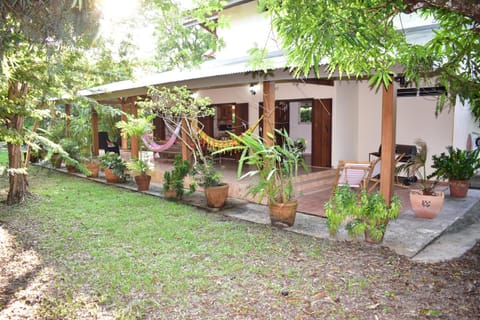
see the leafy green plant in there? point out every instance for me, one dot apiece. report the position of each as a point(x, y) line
point(174, 179)
point(71, 147)
point(417, 163)
point(206, 175)
point(136, 126)
point(276, 166)
point(139, 167)
point(114, 162)
point(363, 212)
point(456, 165)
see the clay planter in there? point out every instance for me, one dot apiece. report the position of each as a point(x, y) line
point(143, 182)
point(94, 168)
point(70, 168)
point(170, 194)
point(459, 188)
point(283, 214)
point(217, 195)
point(111, 177)
point(56, 160)
point(426, 206)
point(370, 239)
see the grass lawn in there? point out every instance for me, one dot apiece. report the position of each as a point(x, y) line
point(108, 253)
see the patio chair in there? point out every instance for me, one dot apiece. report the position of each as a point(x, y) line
point(353, 173)
point(374, 174)
point(107, 145)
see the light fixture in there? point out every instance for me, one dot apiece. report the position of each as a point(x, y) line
point(253, 89)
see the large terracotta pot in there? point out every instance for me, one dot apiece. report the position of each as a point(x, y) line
point(426, 206)
point(459, 188)
point(170, 194)
point(143, 182)
point(217, 195)
point(70, 168)
point(94, 168)
point(111, 177)
point(56, 160)
point(283, 214)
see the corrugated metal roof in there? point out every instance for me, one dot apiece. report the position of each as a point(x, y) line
point(207, 70)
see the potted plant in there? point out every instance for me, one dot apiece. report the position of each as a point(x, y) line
point(207, 177)
point(426, 202)
point(173, 180)
point(365, 213)
point(276, 167)
point(71, 147)
point(458, 167)
point(140, 169)
point(114, 167)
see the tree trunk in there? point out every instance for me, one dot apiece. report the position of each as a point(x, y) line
point(18, 179)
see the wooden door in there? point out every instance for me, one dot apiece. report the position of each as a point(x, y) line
point(241, 118)
point(322, 133)
point(207, 125)
point(159, 131)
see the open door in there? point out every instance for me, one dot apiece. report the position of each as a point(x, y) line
point(322, 133)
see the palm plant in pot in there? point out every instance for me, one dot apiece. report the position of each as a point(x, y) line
point(458, 167)
point(276, 167)
point(173, 180)
point(114, 167)
point(426, 202)
point(364, 213)
point(139, 169)
point(207, 177)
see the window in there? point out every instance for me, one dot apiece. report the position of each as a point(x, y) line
point(305, 115)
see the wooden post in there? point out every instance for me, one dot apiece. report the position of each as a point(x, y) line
point(67, 121)
point(186, 152)
point(95, 144)
point(124, 118)
point(389, 112)
point(268, 111)
point(134, 139)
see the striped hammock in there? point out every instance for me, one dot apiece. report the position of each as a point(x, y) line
point(153, 146)
point(216, 144)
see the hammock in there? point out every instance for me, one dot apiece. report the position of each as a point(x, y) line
point(216, 144)
point(150, 144)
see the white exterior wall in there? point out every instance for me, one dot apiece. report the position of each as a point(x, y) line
point(246, 29)
point(345, 122)
point(464, 126)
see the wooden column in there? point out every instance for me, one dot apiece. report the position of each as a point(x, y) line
point(124, 118)
point(389, 112)
point(268, 111)
point(95, 144)
point(186, 152)
point(67, 121)
point(134, 139)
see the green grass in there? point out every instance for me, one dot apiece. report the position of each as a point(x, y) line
point(137, 256)
point(3, 156)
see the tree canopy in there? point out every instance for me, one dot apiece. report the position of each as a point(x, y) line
point(360, 39)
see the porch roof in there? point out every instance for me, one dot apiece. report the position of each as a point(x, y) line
point(210, 74)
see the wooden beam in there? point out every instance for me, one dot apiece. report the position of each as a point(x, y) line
point(186, 152)
point(320, 82)
point(268, 112)
point(389, 112)
point(95, 144)
point(67, 121)
point(124, 118)
point(134, 139)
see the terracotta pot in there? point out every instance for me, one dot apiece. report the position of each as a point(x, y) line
point(94, 168)
point(283, 214)
point(143, 182)
point(426, 206)
point(459, 188)
point(217, 195)
point(111, 177)
point(170, 194)
point(56, 160)
point(70, 168)
point(370, 239)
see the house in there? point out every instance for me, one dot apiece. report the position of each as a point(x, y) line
point(340, 119)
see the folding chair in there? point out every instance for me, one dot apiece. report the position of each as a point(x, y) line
point(374, 174)
point(353, 173)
